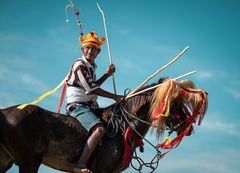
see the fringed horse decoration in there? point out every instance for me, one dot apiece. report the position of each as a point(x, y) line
point(34, 136)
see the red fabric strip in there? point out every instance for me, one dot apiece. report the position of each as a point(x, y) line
point(62, 97)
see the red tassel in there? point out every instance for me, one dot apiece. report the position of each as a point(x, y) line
point(175, 142)
point(162, 155)
point(62, 97)
point(160, 109)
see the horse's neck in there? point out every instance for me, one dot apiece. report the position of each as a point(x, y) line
point(103, 113)
point(138, 108)
point(135, 107)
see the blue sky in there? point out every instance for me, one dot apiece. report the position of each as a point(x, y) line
point(37, 48)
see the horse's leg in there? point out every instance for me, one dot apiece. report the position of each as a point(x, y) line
point(29, 166)
point(6, 166)
point(6, 160)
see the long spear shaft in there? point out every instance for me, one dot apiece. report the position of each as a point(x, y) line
point(159, 70)
point(108, 46)
point(179, 77)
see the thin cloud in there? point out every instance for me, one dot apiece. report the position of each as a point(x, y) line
point(4, 71)
point(196, 161)
point(32, 81)
point(222, 127)
point(162, 50)
point(29, 81)
point(7, 99)
point(233, 92)
point(207, 162)
point(233, 87)
point(204, 75)
point(216, 124)
point(130, 66)
point(209, 74)
point(123, 32)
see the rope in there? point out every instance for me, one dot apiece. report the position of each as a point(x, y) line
point(141, 136)
point(143, 121)
point(153, 164)
point(150, 165)
point(115, 123)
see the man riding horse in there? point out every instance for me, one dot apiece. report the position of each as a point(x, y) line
point(82, 91)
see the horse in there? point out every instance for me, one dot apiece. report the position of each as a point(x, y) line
point(34, 136)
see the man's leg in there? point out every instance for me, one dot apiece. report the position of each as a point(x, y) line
point(89, 147)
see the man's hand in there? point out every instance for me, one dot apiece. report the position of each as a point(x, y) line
point(120, 99)
point(111, 69)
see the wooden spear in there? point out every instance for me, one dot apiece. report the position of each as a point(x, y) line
point(179, 77)
point(159, 70)
point(108, 46)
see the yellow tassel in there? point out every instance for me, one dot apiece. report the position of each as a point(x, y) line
point(167, 140)
point(22, 106)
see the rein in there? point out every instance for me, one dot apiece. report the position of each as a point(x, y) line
point(153, 164)
point(133, 128)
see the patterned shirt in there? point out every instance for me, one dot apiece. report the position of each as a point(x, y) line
point(81, 82)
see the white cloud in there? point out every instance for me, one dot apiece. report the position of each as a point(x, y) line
point(7, 99)
point(11, 59)
point(207, 162)
point(130, 66)
point(204, 75)
point(123, 32)
point(214, 122)
point(9, 76)
point(31, 81)
point(234, 92)
point(4, 71)
point(226, 160)
point(222, 127)
point(163, 50)
point(17, 86)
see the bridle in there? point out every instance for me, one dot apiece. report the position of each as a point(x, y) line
point(127, 120)
point(153, 164)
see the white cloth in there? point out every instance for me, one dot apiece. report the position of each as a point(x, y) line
point(77, 94)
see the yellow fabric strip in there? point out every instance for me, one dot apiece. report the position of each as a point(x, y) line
point(167, 110)
point(22, 106)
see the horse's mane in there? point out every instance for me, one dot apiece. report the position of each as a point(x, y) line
point(138, 101)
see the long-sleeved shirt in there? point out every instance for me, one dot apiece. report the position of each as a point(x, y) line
point(81, 82)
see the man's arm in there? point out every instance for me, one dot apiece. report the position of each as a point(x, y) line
point(102, 79)
point(109, 72)
point(103, 93)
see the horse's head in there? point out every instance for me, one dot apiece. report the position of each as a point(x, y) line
point(178, 120)
point(177, 105)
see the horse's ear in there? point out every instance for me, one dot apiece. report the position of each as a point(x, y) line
point(187, 84)
point(162, 79)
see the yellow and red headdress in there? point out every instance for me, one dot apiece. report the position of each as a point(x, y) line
point(91, 39)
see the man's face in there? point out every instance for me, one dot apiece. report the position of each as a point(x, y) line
point(90, 52)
